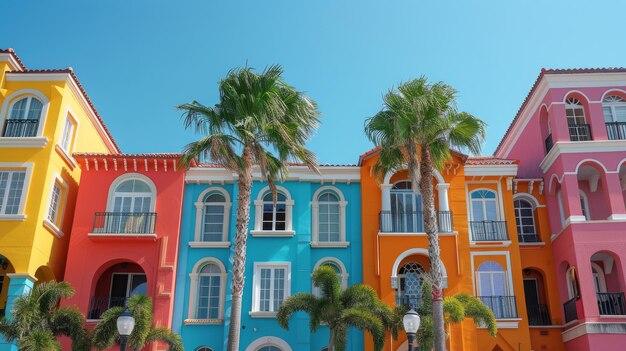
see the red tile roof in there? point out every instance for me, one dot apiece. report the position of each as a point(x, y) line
point(292, 164)
point(17, 58)
point(545, 71)
point(489, 161)
point(376, 149)
point(152, 155)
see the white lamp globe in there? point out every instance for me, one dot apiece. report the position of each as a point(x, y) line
point(411, 321)
point(125, 323)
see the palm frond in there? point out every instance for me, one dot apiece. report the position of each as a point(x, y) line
point(39, 340)
point(173, 341)
point(327, 280)
point(300, 302)
point(366, 320)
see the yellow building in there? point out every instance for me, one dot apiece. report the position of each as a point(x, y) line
point(45, 116)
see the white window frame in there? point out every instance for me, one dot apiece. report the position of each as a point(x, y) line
point(268, 341)
point(572, 103)
point(342, 243)
point(130, 176)
point(585, 205)
point(15, 166)
point(505, 278)
point(256, 287)
point(600, 276)
point(194, 279)
point(203, 348)
point(343, 278)
point(55, 226)
point(483, 201)
point(200, 206)
point(258, 215)
point(612, 105)
point(128, 282)
point(38, 141)
point(518, 215)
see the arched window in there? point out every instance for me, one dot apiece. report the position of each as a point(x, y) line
point(269, 348)
point(492, 279)
point(338, 267)
point(575, 114)
point(268, 343)
point(329, 218)
point(484, 205)
point(409, 291)
point(24, 118)
point(614, 108)
point(273, 219)
point(132, 196)
point(406, 208)
point(525, 221)
point(203, 348)
point(130, 207)
point(274, 215)
point(599, 280)
point(213, 221)
point(206, 292)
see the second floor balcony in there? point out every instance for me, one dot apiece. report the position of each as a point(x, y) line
point(488, 230)
point(538, 314)
point(412, 222)
point(503, 307)
point(569, 310)
point(18, 128)
point(611, 303)
point(579, 132)
point(616, 130)
point(133, 223)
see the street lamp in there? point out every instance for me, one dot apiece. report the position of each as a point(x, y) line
point(411, 321)
point(125, 325)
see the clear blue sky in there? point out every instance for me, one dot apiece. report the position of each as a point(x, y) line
point(138, 59)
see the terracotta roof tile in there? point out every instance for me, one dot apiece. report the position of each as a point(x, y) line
point(376, 149)
point(489, 161)
point(12, 53)
point(545, 71)
point(293, 164)
point(151, 155)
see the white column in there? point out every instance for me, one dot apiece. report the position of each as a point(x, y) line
point(288, 212)
point(199, 207)
point(445, 221)
point(315, 207)
point(386, 207)
point(342, 221)
point(258, 214)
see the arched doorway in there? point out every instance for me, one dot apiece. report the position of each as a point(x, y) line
point(535, 295)
point(5, 268)
point(115, 286)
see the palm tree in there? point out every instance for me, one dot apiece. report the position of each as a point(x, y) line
point(356, 306)
point(417, 127)
point(36, 320)
point(105, 333)
point(260, 121)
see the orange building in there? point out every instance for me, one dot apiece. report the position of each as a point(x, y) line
point(485, 253)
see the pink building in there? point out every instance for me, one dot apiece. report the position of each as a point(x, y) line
point(571, 131)
point(125, 233)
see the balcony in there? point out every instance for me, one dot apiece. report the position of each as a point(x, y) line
point(503, 307)
point(569, 310)
point(538, 315)
point(549, 143)
point(124, 223)
point(616, 130)
point(528, 238)
point(99, 304)
point(489, 230)
point(412, 222)
point(579, 132)
point(611, 304)
point(18, 128)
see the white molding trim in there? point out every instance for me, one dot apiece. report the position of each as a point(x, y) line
point(128, 176)
point(268, 341)
point(18, 95)
point(200, 207)
point(52, 228)
point(328, 174)
point(490, 170)
point(416, 251)
point(256, 286)
point(331, 245)
point(13, 217)
point(593, 328)
point(28, 167)
point(489, 244)
point(210, 244)
point(273, 233)
point(123, 235)
point(258, 214)
point(453, 233)
point(194, 278)
point(573, 147)
point(67, 158)
point(7, 57)
point(315, 217)
point(194, 321)
point(23, 142)
point(508, 323)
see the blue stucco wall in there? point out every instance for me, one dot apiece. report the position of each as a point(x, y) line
point(296, 250)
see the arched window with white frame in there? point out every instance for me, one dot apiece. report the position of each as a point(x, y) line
point(328, 210)
point(24, 118)
point(212, 218)
point(130, 208)
point(337, 266)
point(485, 223)
point(614, 110)
point(576, 122)
point(273, 218)
point(207, 292)
point(268, 343)
point(409, 290)
point(494, 289)
point(406, 208)
point(204, 348)
point(525, 221)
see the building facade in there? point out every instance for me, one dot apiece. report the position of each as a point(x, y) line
point(126, 233)
point(569, 133)
point(316, 221)
point(45, 116)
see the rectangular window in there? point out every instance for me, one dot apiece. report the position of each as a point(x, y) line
point(213, 223)
point(68, 134)
point(55, 204)
point(209, 297)
point(11, 189)
point(271, 286)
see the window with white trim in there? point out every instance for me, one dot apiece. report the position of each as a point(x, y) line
point(24, 118)
point(203, 348)
point(329, 217)
point(213, 220)
point(574, 112)
point(209, 292)
point(68, 135)
point(484, 205)
point(132, 196)
point(271, 286)
point(11, 190)
point(525, 221)
point(492, 279)
point(559, 199)
point(274, 214)
point(269, 348)
point(56, 198)
point(614, 109)
point(273, 219)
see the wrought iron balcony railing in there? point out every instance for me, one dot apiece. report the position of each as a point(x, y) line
point(538, 315)
point(124, 223)
point(20, 128)
point(569, 310)
point(611, 304)
point(99, 304)
point(503, 307)
point(579, 132)
point(412, 222)
point(616, 130)
point(489, 230)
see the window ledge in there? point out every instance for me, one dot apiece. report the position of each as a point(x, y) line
point(613, 316)
point(273, 233)
point(260, 314)
point(541, 243)
point(23, 142)
point(484, 244)
point(452, 233)
point(52, 228)
point(67, 158)
point(193, 321)
point(338, 244)
point(122, 235)
point(505, 323)
point(210, 244)
point(13, 217)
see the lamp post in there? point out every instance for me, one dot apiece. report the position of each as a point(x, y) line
point(125, 325)
point(411, 322)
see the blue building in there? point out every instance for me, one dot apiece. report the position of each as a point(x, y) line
point(317, 220)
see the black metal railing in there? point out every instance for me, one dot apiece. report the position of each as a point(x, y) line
point(538, 315)
point(412, 222)
point(549, 143)
point(489, 230)
point(616, 130)
point(20, 128)
point(579, 132)
point(502, 306)
point(611, 304)
point(569, 310)
point(124, 222)
point(410, 301)
point(528, 238)
point(99, 304)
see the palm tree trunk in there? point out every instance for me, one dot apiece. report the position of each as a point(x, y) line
point(430, 224)
point(239, 260)
point(331, 340)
